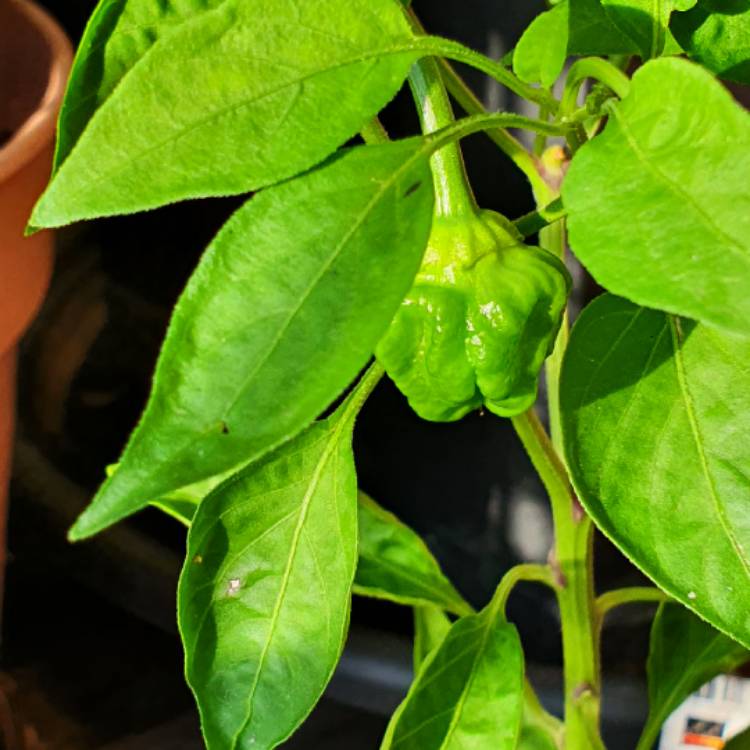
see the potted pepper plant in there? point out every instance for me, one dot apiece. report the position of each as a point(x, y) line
point(350, 264)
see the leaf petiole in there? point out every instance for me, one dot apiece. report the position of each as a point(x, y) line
point(535, 221)
point(440, 47)
point(631, 595)
point(591, 67)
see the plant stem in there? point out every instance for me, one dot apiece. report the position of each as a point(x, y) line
point(524, 572)
point(535, 715)
point(478, 123)
point(347, 412)
point(536, 221)
point(534, 712)
point(471, 104)
point(453, 195)
point(631, 595)
point(591, 67)
point(440, 47)
point(374, 132)
point(552, 238)
point(572, 562)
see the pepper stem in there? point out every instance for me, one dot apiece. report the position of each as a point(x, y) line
point(453, 194)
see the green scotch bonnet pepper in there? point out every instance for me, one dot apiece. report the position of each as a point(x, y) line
point(479, 321)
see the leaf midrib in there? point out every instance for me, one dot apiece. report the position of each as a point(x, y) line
point(384, 187)
point(92, 181)
point(705, 218)
point(291, 557)
point(457, 714)
point(699, 440)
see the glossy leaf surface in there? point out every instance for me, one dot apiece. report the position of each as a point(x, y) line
point(234, 99)
point(658, 203)
point(468, 693)
point(655, 415)
point(283, 310)
point(264, 595)
point(716, 33)
point(395, 564)
point(685, 653)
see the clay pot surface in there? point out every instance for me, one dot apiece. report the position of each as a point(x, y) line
point(35, 58)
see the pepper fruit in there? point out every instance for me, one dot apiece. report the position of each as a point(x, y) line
point(479, 321)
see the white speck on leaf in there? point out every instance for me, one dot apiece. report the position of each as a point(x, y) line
point(691, 595)
point(234, 586)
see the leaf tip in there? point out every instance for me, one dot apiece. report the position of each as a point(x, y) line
point(78, 531)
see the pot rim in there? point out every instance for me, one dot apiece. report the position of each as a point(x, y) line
point(39, 128)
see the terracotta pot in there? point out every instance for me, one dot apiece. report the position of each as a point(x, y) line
point(35, 57)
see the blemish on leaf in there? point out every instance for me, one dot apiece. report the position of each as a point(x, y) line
point(234, 587)
point(224, 428)
point(198, 559)
point(691, 595)
point(412, 189)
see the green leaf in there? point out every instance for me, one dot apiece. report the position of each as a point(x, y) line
point(540, 53)
point(265, 592)
point(236, 98)
point(468, 693)
point(656, 423)
point(182, 503)
point(535, 738)
point(740, 742)
point(645, 22)
point(284, 309)
point(657, 204)
point(685, 653)
point(716, 33)
point(395, 564)
point(431, 625)
point(119, 33)
point(591, 31)
point(570, 27)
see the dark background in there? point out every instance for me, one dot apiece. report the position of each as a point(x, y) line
point(89, 634)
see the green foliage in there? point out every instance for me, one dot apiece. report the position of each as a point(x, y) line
point(645, 22)
point(674, 155)
point(654, 410)
point(533, 738)
point(394, 563)
point(716, 33)
point(264, 594)
point(462, 688)
point(570, 27)
point(478, 323)
point(591, 31)
point(309, 271)
point(431, 625)
point(685, 653)
point(540, 53)
point(118, 35)
point(740, 742)
point(260, 71)
point(378, 249)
